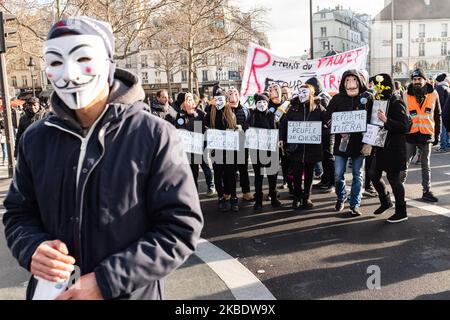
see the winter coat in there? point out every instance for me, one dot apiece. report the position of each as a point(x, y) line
point(167, 112)
point(122, 197)
point(419, 138)
point(25, 121)
point(306, 153)
point(342, 102)
point(393, 156)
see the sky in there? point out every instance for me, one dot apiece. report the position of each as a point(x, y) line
point(289, 20)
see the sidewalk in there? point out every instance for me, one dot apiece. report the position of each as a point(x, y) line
point(195, 280)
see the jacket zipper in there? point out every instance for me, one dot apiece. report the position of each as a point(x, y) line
point(83, 148)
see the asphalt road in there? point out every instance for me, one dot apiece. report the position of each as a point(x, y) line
point(319, 254)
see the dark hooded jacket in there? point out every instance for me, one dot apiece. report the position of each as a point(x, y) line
point(25, 121)
point(342, 102)
point(392, 157)
point(122, 196)
point(419, 138)
point(324, 100)
point(305, 153)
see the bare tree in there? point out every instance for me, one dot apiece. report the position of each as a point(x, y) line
point(207, 26)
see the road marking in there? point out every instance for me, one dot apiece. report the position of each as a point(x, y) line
point(429, 207)
point(243, 284)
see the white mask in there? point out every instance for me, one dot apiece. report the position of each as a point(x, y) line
point(304, 94)
point(262, 105)
point(78, 67)
point(219, 102)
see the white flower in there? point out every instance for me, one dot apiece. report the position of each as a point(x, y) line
point(379, 79)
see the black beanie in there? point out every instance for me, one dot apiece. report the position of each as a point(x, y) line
point(441, 77)
point(219, 91)
point(180, 98)
point(261, 96)
point(419, 73)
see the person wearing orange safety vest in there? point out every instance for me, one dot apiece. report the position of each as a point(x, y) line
point(425, 112)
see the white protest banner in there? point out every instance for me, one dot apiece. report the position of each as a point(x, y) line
point(375, 136)
point(305, 132)
point(263, 67)
point(192, 141)
point(349, 121)
point(378, 105)
point(261, 139)
point(222, 139)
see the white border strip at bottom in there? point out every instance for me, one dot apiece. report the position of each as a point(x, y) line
point(243, 284)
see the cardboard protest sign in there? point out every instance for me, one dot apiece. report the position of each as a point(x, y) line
point(261, 139)
point(192, 141)
point(263, 67)
point(374, 136)
point(305, 132)
point(349, 121)
point(222, 140)
point(378, 105)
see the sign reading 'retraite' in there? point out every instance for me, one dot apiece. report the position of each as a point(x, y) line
point(349, 121)
point(305, 132)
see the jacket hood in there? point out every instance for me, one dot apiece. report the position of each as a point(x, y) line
point(362, 85)
point(430, 89)
point(125, 91)
point(318, 87)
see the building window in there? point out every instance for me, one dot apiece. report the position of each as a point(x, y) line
point(183, 59)
point(421, 49)
point(399, 31)
point(444, 30)
point(14, 81)
point(323, 15)
point(444, 49)
point(399, 50)
point(326, 45)
point(157, 60)
point(145, 77)
point(24, 81)
point(128, 62)
point(144, 63)
point(421, 30)
point(205, 75)
point(323, 31)
point(183, 76)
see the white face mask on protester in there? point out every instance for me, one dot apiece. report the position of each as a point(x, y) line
point(78, 67)
point(219, 102)
point(262, 105)
point(304, 94)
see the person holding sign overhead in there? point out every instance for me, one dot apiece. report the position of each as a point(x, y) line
point(300, 138)
point(222, 118)
point(190, 118)
point(262, 118)
point(391, 157)
point(350, 112)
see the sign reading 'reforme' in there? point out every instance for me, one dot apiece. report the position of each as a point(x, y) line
point(305, 132)
point(349, 121)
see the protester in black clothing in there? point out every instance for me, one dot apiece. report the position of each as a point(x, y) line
point(222, 117)
point(32, 113)
point(326, 183)
point(191, 119)
point(302, 157)
point(161, 108)
point(242, 116)
point(262, 118)
point(391, 158)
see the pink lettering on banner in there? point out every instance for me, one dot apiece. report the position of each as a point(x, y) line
point(263, 54)
point(340, 59)
point(330, 82)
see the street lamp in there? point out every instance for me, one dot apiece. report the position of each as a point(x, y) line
point(31, 64)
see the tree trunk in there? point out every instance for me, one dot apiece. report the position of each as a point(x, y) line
point(197, 92)
point(190, 68)
point(169, 82)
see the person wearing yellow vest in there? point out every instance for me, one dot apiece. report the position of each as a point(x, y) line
point(425, 112)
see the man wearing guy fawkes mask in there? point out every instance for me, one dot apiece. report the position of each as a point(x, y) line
point(113, 190)
point(425, 111)
point(242, 116)
point(352, 96)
